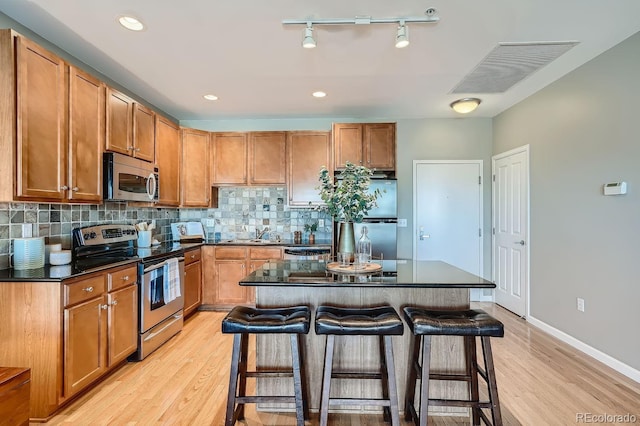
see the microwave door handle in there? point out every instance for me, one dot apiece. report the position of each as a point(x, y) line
point(151, 186)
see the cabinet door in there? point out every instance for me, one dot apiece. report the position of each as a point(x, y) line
point(347, 144)
point(228, 274)
point(84, 344)
point(122, 327)
point(195, 183)
point(86, 136)
point(229, 158)
point(144, 146)
point(119, 122)
point(208, 264)
point(267, 158)
point(379, 143)
point(168, 160)
point(307, 152)
point(192, 287)
point(41, 132)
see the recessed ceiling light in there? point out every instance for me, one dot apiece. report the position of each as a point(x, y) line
point(210, 97)
point(131, 23)
point(319, 94)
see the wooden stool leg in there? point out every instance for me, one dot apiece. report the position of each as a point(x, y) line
point(326, 380)
point(297, 379)
point(242, 372)
point(491, 378)
point(233, 380)
point(424, 380)
point(472, 371)
point(412, 377)
point(391, 381)
point(303, 378)
point(384, 376)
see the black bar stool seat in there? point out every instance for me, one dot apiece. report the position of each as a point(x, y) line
point(379, 321)
point(244, 320)
point(470, 323)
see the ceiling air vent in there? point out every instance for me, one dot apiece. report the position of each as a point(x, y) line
point(509, 63)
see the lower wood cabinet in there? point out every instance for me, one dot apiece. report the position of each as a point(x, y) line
point(69, 334)
point(225, 266)
point(15, 384)
point(192, 280)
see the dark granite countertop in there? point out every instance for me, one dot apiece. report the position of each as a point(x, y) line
point(398, 273)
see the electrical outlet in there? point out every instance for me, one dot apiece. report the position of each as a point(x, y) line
point(209, 223)
point(402, 223)
point(27, 230)
point(321, 223)
point(580, 304)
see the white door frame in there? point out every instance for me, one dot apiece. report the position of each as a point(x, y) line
point(522, 149)
point(415, 194)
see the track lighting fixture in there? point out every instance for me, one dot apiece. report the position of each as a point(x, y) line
point(402, 37)
point(402, 34)
point(308, 42)
point(465, 105)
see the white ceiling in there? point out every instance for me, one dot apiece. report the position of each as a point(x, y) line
point(240, 51)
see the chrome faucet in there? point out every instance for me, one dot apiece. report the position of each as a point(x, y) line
point(260, 234)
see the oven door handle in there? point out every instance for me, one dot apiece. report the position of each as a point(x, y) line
point(160, 265)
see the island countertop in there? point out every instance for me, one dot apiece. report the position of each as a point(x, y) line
point(404, 274)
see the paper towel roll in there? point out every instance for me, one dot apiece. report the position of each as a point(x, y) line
point(28, 253)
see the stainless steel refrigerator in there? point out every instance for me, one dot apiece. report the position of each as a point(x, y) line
point(382, 223)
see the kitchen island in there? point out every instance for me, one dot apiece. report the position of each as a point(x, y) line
point(401, 283)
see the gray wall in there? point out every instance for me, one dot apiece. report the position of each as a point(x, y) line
point(583, 131)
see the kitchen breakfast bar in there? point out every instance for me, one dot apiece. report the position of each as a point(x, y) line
point(400, 283)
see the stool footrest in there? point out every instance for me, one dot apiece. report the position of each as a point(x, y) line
point(458, 403)
point(354, 375)
point(359, 401)
point(456, 377)
point(270, 373)
point(256, 398)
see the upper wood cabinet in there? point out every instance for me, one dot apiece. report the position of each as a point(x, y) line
point(267, 158)
point(195, 182)
point(130, 127)
point(368, 144)
point(307, 153)
point(229, 158)
point(168, 152)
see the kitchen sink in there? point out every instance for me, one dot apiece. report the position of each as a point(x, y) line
point(253, 241)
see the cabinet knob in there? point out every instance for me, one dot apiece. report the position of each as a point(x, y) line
point(130, 148)
point(193, 256)
point(137, 149)
point(64, 187)
point(75, 189)
point(125, 278)
point(88, 289)
point(104, 307)
point(115, 302)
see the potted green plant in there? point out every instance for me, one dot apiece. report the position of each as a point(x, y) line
point(348, 200)
point(311, 228)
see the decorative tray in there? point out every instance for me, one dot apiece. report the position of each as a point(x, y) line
point(367, 268)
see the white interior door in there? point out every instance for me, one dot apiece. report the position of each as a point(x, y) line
point(448, 214)
point(511, 229)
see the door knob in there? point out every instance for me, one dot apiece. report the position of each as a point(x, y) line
point(521, 242)
point(422, 235)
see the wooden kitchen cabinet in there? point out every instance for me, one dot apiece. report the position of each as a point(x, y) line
point(258, 256)
point(229, 158)
point(15, 386)
point(368, 144)
point(168, 152)
point(77, 331)
point(192, 280)
point(129, 127)
point(267, 158)
point(307, 152)
point(195, 182)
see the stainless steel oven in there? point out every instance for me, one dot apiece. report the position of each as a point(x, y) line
point(161, 305)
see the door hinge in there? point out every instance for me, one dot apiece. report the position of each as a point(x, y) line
point(493, 230)
point(479, 180)
point(479, 232)
point(494, 178)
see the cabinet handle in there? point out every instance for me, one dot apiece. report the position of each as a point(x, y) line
point(75, 189)
point(193, 256)
point(64, 187)
point(130, 148)
point(104, 307)
point(125, 278)
point(137, 150)
point(115, 302)
point(88, 289)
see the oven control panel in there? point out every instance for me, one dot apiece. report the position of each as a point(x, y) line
point(103, 234)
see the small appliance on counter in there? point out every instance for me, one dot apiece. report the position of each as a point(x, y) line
point(187, 231)
point(28, 253)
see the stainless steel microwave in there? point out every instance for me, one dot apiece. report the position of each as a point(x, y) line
point(129, 179)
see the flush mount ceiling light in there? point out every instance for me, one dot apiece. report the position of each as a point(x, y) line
point(131, 23)
point(308, 42)
point(402, 34)
point(402, 37)
point(210, 97)
point(465, 105)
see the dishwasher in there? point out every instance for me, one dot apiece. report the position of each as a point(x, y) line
point(307, 253)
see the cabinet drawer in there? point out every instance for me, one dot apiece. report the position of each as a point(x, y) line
point(191, 256)
point(14, 396)
point(86, 289)
point(122, 278)
point(223, 253)
point(265, 253)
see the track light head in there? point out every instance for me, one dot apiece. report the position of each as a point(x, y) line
point(402, 36)
point(308, 42)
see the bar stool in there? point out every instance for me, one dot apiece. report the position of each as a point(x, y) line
point(242, 321)
point(469, 323)
point(381, 321)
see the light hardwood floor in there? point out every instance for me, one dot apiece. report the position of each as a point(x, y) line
point(541, 381)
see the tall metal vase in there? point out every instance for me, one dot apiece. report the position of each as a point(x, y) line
point(346, 238)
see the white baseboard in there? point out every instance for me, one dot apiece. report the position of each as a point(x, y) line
point(608, 360)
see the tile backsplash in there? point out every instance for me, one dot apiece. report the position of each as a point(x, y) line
point(241, 210)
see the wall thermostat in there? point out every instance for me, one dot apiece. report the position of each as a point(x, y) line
point(615, 188)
